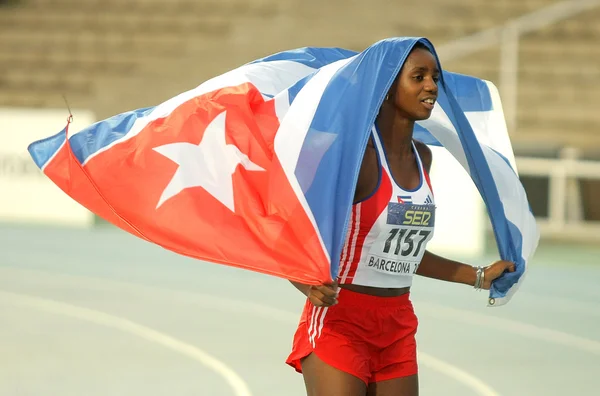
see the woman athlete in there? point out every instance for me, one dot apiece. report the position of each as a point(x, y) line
point(356, 336)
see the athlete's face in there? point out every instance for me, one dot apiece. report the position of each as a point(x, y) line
point(416, 90)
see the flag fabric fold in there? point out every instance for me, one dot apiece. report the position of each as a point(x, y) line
point(256, 168)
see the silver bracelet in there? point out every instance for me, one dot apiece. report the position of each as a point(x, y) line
point(479, 278)
point(482, 278)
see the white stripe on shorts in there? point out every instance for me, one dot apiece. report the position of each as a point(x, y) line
point(316, 323)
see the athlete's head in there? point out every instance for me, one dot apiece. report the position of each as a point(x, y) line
point(414, 92)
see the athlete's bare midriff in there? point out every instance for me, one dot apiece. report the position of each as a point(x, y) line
point(376, 291)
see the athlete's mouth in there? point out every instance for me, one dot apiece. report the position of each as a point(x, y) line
point(428, 102)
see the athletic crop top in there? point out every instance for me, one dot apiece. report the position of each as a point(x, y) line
point(389, 230)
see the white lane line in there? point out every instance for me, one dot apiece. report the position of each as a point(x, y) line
point(245, 307)
point(240, 388)
point(509, 325)
point(480, 387)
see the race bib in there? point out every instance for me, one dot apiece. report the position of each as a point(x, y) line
point(401, 244)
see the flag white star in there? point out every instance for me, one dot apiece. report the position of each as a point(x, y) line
point(209, 164)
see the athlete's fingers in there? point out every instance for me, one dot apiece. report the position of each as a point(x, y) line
point(320, 296)
point(327, 290)
point(334, 285)
point(315, 301)
point(319, 303)
point(329, 300)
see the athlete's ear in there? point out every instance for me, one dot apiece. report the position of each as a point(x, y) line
point(391, 94)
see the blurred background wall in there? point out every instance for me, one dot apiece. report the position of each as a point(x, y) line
point(110, 56)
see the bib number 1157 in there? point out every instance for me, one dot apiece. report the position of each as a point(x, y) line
point(407, 241)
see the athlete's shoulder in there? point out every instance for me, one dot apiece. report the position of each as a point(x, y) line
point(425, 154)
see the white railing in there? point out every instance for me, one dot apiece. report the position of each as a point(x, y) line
point(565, 218)
point(565, 209)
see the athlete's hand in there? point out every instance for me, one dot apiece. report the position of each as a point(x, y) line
point(494, 271)
point(323, 295)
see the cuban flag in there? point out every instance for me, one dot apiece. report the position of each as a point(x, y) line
point(257, 168)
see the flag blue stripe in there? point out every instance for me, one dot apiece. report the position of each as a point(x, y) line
point(331, 192)
point(502, 285)
point(102, 134)
point(508, 236)
point(90, 140)
point(42, 150)
point(423, 135)
point(472, 94)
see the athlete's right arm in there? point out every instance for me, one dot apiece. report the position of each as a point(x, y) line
point(319, 296)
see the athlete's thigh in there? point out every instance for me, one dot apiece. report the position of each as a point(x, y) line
point(404, 386)
point(322, 379)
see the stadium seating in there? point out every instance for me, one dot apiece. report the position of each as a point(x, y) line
point(115, 55)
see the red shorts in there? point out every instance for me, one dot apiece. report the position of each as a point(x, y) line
point(372, 338)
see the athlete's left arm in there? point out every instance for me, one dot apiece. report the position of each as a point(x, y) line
point(436, 267)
